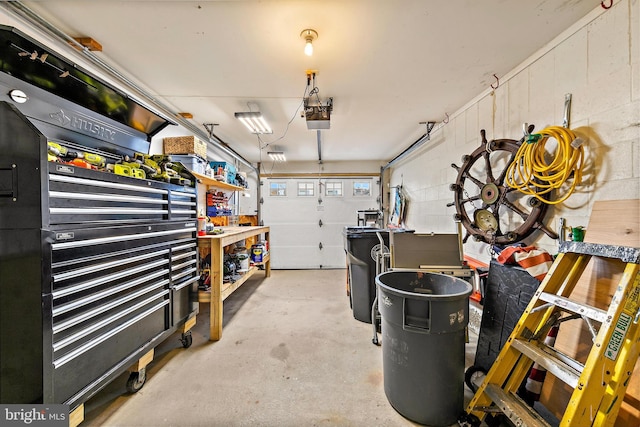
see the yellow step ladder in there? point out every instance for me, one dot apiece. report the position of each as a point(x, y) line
point(600, 384)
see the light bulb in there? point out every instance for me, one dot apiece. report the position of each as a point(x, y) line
point(308, 48)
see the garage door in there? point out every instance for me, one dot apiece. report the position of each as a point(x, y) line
point(307, 217)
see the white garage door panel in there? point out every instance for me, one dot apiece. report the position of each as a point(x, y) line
point(293, 209)
point(299, 257)
point(295, 222)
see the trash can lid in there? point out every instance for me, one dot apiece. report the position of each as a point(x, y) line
point(423, 285)
point(366, 231)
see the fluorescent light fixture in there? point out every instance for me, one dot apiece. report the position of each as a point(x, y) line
point(277, 156)
point(254, 122)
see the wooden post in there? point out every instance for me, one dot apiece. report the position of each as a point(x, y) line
point(217, 274)
point(76, 416)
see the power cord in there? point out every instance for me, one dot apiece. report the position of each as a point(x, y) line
point(531, 173)
point(263, 145)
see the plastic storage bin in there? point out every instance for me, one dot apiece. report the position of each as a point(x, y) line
point(190, 161)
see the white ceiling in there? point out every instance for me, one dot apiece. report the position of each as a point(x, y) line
point(387, 64)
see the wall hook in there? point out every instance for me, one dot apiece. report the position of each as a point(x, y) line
point(498, 81)
point(606, 7)
point(446, 120)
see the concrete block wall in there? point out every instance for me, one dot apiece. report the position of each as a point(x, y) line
point(598, 61)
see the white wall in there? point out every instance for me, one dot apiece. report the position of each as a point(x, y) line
point(598, 62)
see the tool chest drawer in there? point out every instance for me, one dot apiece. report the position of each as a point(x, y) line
point(184, 280)
point(78, 195)
point(87, 352)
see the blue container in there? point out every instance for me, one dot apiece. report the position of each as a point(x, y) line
point(225, 169)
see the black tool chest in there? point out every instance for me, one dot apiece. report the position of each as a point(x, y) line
point(96, 268)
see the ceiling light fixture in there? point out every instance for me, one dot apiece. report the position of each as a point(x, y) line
point(254, 122)
point(309, 36)
point(277, 156)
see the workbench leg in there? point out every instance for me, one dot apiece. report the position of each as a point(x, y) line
point(217, 273)
point(76, 416)
point(267, 266)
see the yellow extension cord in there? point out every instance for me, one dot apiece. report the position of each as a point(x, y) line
point(531, 173)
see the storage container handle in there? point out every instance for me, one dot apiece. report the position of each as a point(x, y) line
point(13, 192)
point(409, 322)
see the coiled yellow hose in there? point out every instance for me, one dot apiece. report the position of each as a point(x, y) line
point(535, 172)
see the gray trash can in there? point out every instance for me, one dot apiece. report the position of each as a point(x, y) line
point(359, 244)
point(424, 316)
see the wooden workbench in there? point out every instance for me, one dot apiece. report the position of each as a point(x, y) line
point(214, 245)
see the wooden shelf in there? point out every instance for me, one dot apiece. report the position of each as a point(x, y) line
point(210, 182)
point(229, 287)
point(213, 246)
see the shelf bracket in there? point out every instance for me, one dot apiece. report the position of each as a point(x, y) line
point(209, 127)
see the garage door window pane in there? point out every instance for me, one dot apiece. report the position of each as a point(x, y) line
point(278, 189)
point(305, 189)
point(362, 188)
point(333, 188)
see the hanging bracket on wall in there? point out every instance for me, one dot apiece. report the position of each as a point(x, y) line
point(429, 126)
point(209, 127)
point(567, 111)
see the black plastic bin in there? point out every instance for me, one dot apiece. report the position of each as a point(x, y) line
point(424, 319)
point(507, 293)
point(359, 243)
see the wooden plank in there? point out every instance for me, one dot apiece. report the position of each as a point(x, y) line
point(89, 43)
point(210, 182)
point(217, 272)
point(267, 259)
point(229, 288)
point(142, 362)
point(615, 222)
point(204, 296)
point(190, 323)
point(76, 416)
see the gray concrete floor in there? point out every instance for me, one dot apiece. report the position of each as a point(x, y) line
point(291, 354)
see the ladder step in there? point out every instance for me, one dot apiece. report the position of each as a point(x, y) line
point(569, 305)
point(626, 254)
point(514, 408)
point(556, 363)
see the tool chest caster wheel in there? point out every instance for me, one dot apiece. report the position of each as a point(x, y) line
point(471, 376)
point(468, 420)
point(136, 381)
point(186, 339)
